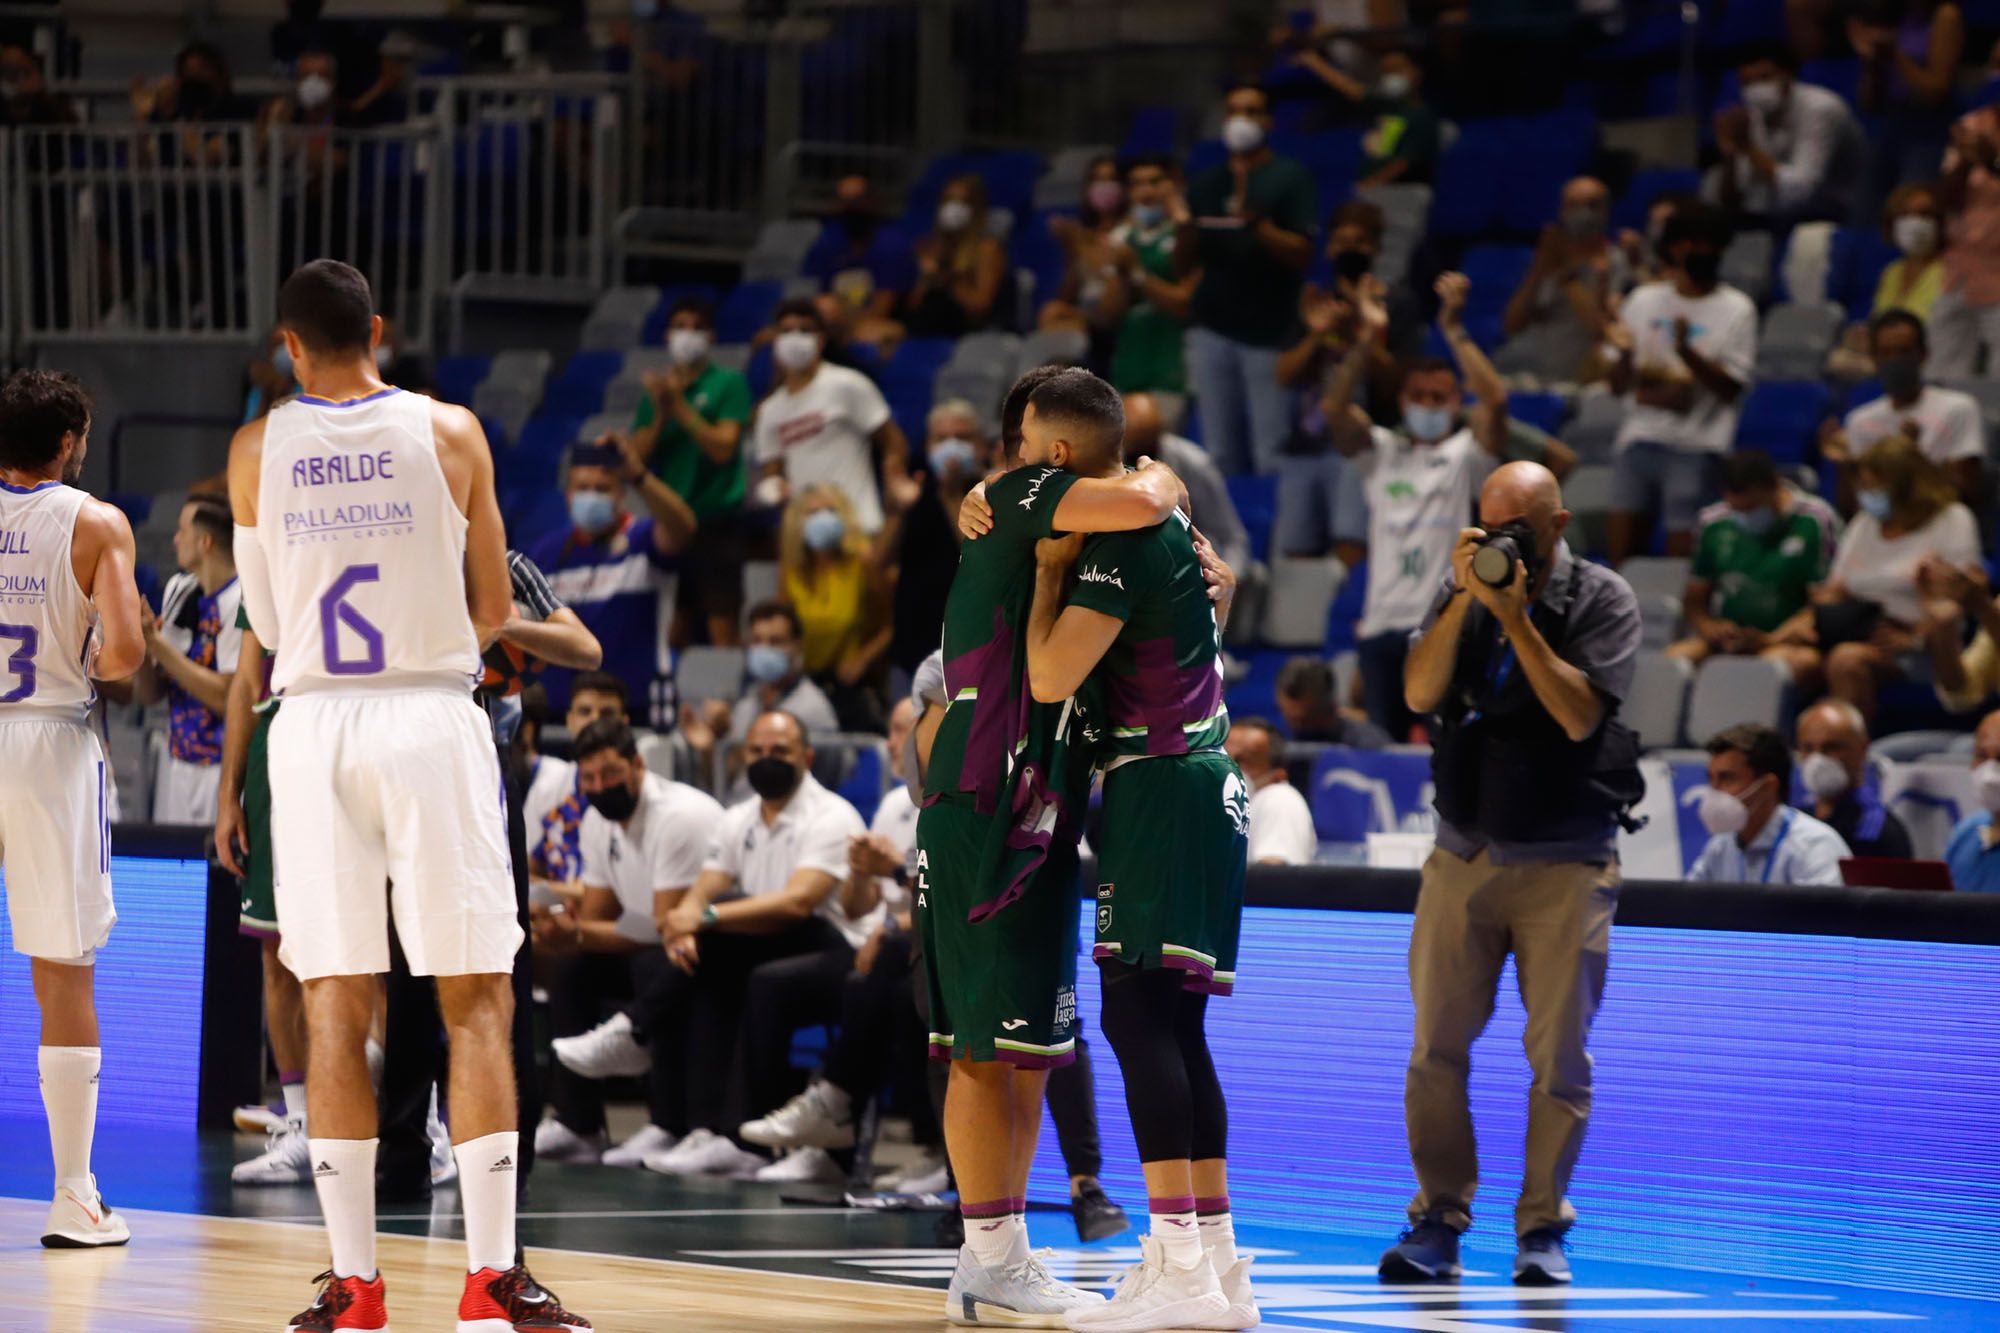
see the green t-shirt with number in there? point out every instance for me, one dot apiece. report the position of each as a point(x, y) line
point(710, 488)
point(1148, 358)
point(1760, 581)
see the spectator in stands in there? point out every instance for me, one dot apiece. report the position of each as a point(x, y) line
point(1306, 702)
point(1147, 436)
point(1152, 298)
point(1686, 347)
point(1754, 836)
point(689, 429)
point(824, 423)
point(1944, 423)
point(199, 89)
point(860, 258)
point(268, 378)
point(920, 540)
point(1556, 319)
point(191, 652)
point(554, 801)
point(1249, 234)
point(1421, 481)
point(1966, 315)
point(1914, 218)
point(1281, 824)
point(1405, 136)
point(961, 267)
point(618, 572)
point(313, 101)
point(1974, 866)
point(1966, 675)
point(643, 841)
point(1832, 744)
point(1085, 239)
point(1909, 53)
point(25, 98)
point(777, 683)
point(1791, 151)
point(1644, 259)
point(835, 577)
point(1871, 610)
point(1761, 552)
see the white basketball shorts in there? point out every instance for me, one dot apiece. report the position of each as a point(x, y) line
point(383, 803)
point(55, 839)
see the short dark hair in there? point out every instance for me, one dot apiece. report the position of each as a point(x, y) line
point(1890, 319)
point(328, 305)
point(1748, 470)
point(801, 306)
point(1762, 747)
point(607, 733)
point(1088, 410)
point(212, 515)
point(772, 608)
point(1425, 365)
point(600, 682)
point(1014, 405)
point(1248, 85)
point(38, 408)
point(1274, 737)
point(1698, 222)
point(1307, 678)
point(1360, 213)
point(207, 51)
point(695, 304)
point(1164, 161)
point(1775, 50)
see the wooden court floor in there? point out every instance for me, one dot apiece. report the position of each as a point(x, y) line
point(185, 1273)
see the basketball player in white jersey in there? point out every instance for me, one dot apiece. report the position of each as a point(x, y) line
point(370, 548)
point(65, 567)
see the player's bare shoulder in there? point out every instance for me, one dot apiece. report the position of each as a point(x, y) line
point(246, 460)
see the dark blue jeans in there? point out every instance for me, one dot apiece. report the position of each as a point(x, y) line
point(1382, 658)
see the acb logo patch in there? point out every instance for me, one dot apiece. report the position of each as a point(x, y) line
point(1104, 892)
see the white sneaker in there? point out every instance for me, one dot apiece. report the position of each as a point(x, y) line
point(1242, 1312)
point(819, 1117)
point(77, 1223)
point(1153, 1295)
point(286, 1159)
point(803, 1166)
point(1025, 1295)
point(606, 1051)
point(927, 1174)
point(557, 1142)
point(257, 1119)
point(633, 1153)
point(705, 1153)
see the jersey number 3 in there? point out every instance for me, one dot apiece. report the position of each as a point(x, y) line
point(22, 661)
point(335, 612)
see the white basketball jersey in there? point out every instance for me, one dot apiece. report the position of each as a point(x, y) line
point(45, 618)
point(366, 548)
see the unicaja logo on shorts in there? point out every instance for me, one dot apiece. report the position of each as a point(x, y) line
point(1096, 575)
point(1236, 800)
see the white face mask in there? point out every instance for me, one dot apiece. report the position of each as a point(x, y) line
point(795, 349)
point(687, 346)
point(1766, 95)
point(1723, 813)
point(1986, 782)
point(1824, 776)
point(1915, 234)
point(954, 215)
point(315, 90)
point(1242, 134)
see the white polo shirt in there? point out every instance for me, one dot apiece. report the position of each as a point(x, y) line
point(1791, 848)
point(661, 846)
point(896, 820)
point(1281, 826)
point(810, 833)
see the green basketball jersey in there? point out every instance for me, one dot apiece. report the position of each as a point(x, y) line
point(1161, 679)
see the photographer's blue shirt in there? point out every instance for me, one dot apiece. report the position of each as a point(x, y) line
point(1974, 855)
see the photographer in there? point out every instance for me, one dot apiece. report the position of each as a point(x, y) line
point(1524, 661)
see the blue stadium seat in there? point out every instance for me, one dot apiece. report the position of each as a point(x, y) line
point(458, 376)
point(547, 435)
point(1644, 188)
point(1545, 411)
point(1151, 131)
point(579, 390)
point(1747, 22)
point(1855, 262)
point(760, 372)
point(1256, 695)
point(1494, 271)
point(746, 309)
point(1256, 499)
point(916, 363)
point(1782, 417)
point(1346, 609)
point(1841, 75)
point(1540, 154)
point(863, 784)
point(654, 330)
point(1865, 392)
point(534, 511)
point(1358, 792)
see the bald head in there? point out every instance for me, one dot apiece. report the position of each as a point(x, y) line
point(1143, 426)
point(1527, 492)
point(1986, 741)
point(1836, 729)
point(1585, 192)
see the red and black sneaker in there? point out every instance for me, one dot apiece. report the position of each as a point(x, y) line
point(344, 1305)
point(511, 1302)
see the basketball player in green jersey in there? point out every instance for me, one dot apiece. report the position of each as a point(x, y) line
point(996, 868)
point(1138, 622)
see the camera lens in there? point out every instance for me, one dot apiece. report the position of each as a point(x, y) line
point(1493, 563)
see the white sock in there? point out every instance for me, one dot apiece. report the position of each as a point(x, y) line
point(344, 1175)
point(1017, 1238)
point(991, 1239)
point(1174, 1227)
point(486, 1177)
point(1218, 1237)
point(295, 1101)
point(69, 1098)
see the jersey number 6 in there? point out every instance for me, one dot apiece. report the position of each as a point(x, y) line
point(335, 612)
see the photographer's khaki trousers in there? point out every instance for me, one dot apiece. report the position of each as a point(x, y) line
point(1556, 920)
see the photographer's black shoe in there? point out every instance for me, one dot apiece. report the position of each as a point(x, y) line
point(1097, 1218)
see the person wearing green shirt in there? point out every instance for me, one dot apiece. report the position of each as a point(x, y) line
point(1250, 233)
point(1404, 136)
point(689, 430)
point(1153, 294)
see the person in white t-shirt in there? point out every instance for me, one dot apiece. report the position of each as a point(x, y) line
point(1685, 350)
point(553, 802)
point(643, 842)
point(1281, 824)
point(823, 423)
point(1791, 152)
point(1945, 423)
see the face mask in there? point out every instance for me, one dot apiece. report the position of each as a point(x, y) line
point(593, 512)
point(1148, 215)
point(315, 90)
point(1352, 265)
point(1105, 196)
point(1426, 423)
point(1395, 87)
point(795, 349)
point(1757, 522)
point(773, 779)
point(1986, 782)
point(281, 361)
point(1723, 813)
point(1824, 776)
point(1875, 504)
point(823, 530)
point(1242, 134)
point(1584, 223)
point(1765, 95)
point(1703, 267)
point(615, 803)
point(687, 346)
point(954, 458)
point(383, 356)
point(767, 663)
point(1915, 234)
point(954, 215)
point(1902, 376)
